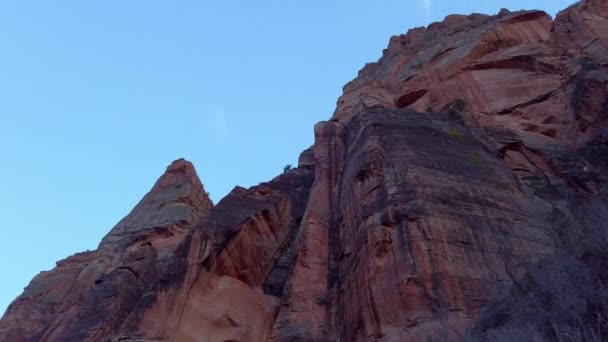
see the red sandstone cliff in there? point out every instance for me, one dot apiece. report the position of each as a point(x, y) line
point(430, 195)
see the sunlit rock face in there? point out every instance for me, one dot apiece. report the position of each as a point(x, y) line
point(90, 294)
point(426, 201)
point(522, 71)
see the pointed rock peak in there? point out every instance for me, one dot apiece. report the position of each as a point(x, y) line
point(178, 198)
point(178, 171)
point(180, 166)
point(181, 180)
point(178, 174)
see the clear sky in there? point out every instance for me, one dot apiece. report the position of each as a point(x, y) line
point(97, 97)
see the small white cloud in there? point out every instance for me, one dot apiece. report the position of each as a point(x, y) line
point(215, 122)
point(426, 5)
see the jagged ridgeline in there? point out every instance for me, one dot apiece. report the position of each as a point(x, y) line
point(457, 193)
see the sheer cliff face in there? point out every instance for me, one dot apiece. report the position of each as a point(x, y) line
point(429, 191)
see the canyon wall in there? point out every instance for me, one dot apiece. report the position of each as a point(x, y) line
point(429, 197)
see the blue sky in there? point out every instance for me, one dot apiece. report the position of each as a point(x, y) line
point(98, 97)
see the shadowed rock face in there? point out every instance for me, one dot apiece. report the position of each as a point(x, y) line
point(436, 219)
point(433, 187)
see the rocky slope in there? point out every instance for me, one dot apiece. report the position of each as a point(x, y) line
point(459, 176)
